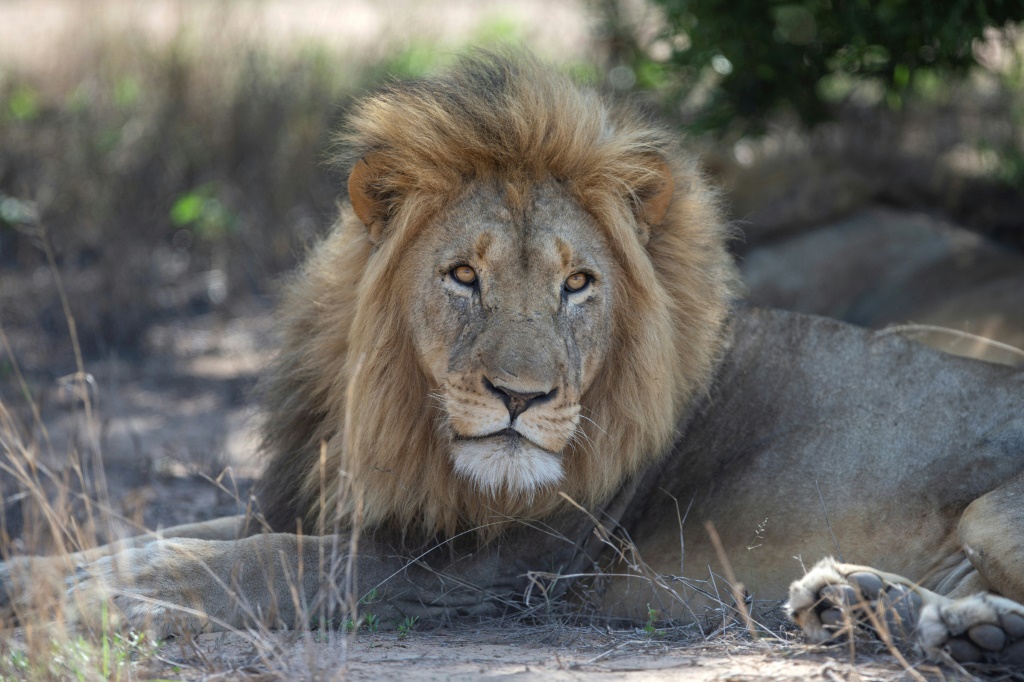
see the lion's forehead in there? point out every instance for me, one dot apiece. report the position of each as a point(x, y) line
point(517, 235)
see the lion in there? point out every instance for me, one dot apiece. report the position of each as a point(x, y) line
point(520, 354)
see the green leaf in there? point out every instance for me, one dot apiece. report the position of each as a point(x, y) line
point(187, 209)
point(24, 104)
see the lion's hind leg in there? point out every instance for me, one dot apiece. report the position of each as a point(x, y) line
point(992, 534)
point(835, 599)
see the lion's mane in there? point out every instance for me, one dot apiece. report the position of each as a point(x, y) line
point(346, 354)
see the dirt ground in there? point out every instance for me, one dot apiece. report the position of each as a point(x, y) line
point(518, 652)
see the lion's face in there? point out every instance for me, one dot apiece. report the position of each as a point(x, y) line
point(511, 311)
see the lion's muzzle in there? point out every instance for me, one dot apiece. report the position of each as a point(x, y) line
point(509, 439)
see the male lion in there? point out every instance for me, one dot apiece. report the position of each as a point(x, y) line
point(526, 311)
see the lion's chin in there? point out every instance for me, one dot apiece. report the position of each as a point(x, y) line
point(513, 465)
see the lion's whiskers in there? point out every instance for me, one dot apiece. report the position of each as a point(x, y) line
point(439, 398)
point(596, 425)
point(581, 440)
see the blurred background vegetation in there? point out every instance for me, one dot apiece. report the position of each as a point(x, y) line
point(738, 63)
point(172, 152)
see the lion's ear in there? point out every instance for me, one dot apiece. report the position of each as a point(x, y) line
point(655, 195)
point(367, 200)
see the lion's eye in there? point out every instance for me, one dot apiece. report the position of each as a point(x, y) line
point(577, 281)
point(464, 274)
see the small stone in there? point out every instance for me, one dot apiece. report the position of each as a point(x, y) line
point(963, 651)
point(1013, 624)
point(987, 636)
point(870, 584)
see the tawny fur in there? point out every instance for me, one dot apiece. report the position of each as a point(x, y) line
point(347, 357)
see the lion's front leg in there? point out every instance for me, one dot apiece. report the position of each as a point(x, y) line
point(283, 581)
point(834, 597)
point(188, 585)
point(287, 581)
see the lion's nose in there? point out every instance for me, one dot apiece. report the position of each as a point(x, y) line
point(517, 401)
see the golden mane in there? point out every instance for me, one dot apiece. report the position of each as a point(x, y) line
point(346, 355)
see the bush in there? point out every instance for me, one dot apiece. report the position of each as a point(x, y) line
point(746, 58)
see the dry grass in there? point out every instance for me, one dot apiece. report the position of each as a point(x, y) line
point(59, 520)
point(66, 508)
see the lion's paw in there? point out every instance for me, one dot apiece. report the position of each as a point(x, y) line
point(31, 585)
point(834, 599)
point(981, 628)
point(135, 588)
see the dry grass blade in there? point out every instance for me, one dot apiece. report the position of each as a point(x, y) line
point(828, 523)
point(734, 585)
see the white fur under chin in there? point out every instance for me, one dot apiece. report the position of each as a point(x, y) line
point(519, 467)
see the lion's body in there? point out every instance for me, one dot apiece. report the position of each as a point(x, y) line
point(525, 311)
point(839, 458)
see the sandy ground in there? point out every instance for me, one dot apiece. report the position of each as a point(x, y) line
point(518, 652)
